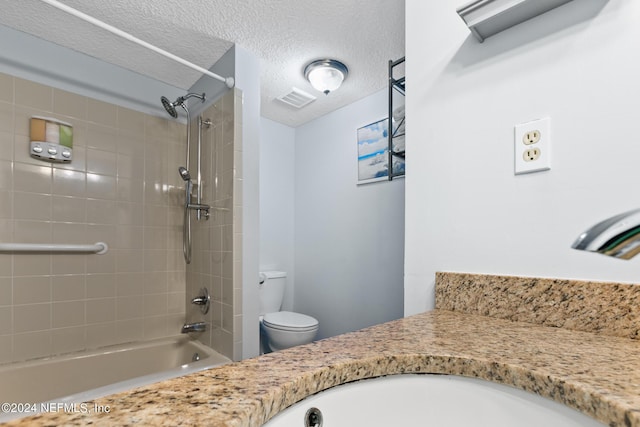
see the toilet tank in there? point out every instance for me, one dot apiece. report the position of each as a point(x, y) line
point(271, 291)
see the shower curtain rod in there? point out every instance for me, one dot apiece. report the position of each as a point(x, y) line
point(229, 81)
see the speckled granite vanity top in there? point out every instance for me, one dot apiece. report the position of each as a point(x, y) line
point(587, 357)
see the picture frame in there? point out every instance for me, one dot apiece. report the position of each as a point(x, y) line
point(373, 153)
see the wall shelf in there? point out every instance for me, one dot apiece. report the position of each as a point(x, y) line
point(488, 17)
point(396, 119)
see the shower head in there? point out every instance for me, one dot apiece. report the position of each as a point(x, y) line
point(168, 105)
point(179, 102)
point(184, 173)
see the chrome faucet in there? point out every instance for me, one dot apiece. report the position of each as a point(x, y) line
point(194, 327)
point(618, 236)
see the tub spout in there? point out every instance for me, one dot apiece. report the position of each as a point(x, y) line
point(618, 236)
point(194, 327)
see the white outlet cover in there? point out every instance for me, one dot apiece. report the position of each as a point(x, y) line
point(543, 162)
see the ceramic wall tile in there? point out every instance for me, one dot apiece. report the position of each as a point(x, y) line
point(122, 188)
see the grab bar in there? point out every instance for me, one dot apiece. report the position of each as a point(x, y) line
point(99, 248)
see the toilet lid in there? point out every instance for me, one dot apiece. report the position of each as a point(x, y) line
point(288, 320)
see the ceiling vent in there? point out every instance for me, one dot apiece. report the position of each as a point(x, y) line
point(297, 98)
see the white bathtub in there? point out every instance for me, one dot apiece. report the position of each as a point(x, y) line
point(430, 400)
point(81, 377)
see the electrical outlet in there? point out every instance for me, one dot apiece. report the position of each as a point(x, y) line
point(532, 146)
point(531, 137)
point(531, 155)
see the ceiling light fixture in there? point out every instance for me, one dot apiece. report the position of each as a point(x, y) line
point(326, 75)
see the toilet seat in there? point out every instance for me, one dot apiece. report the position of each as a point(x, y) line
point(290, 321)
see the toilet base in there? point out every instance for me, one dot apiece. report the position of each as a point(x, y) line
point(275, 339)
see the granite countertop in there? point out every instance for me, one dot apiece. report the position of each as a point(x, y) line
point(594, 372)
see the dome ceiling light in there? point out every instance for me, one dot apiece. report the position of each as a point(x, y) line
point(326, 75)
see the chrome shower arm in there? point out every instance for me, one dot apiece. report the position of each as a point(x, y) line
point(182, 99)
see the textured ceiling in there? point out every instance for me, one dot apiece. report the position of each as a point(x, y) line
point(284, 34)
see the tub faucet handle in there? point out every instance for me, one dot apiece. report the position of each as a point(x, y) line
point(199, 301)
point(203, 300)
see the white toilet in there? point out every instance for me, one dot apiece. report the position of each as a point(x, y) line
point(281, 329)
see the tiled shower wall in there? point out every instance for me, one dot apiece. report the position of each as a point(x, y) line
point(122, 188)
point(217, 249)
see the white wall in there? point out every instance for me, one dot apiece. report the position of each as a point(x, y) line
point(466, 211)
point(247, 191)
point(348, 238)
point(277, 218)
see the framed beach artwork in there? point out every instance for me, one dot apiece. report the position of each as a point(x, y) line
point(373, 153)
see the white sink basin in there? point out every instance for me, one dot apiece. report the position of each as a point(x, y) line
point(430, 400)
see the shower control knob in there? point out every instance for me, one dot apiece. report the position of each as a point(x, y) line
point(199, 301)
point(203, 300)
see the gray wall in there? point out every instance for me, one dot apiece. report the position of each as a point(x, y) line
point(277, 209)
point(348, 239)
